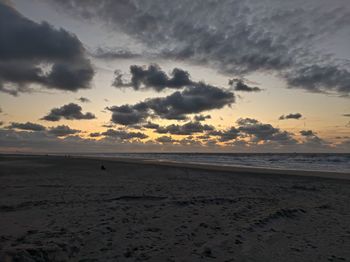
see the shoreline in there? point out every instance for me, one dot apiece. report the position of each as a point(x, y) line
point(225, 168)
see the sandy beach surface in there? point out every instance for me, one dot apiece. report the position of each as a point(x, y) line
point(56, 208)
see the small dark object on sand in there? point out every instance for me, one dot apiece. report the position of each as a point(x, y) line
point(103, 167)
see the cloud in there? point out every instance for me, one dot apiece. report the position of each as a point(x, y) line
point(191, 100)
point(113, 54)
point(239, 85)
point(151, 125)
point(14, 141)
point(129, 114)
point(226, 135)
point(307, 133)
point(312, 140)
point(186, 129)
point(27, 126)
point(70, 111)
point(259, 137)
point(123, 135)
point(201, 117)
point(84, 99)
point(237, 37)
point(62, 130)
point(260, 132)
point(290, 116)
point(33, 53)
point(347, 115)
point(95, 134)
point(58, 131)
point(153, 78)
point(166, 140)
point(320, 78)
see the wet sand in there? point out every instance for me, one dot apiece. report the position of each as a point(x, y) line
point(68, 209)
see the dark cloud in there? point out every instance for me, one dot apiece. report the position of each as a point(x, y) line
point(290, 116)
point(239, 85)
point(201, 117)
point(189, 141)
point(320, 78)
point(108, 125)
point(62, 130)
point(95, 134)
point(260, 132)
point(123, 135)
point(153, 78)
point(151, 125)
point(192, 100)
point(166, 140)
point(84, 99)
point(33, 53)
point(237, 37)
point(129, 114)
point(226, 135)
point(312, 140)
point(62, 139)
point(113, 54)
point(27, 126)
point(25, 141)
point(185, 129)
point(307, 133)
point(70, 111)
point(58, 131)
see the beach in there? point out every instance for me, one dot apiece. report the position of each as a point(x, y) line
point(60, 208)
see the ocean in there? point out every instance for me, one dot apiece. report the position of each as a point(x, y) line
point(294, 161)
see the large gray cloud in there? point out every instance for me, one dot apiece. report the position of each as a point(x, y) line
point(123, 135)
point(236, 36)
point(27, 126)
point(185, 129)
point(25, 141)
point(62, 130)
point(193, 99)
point(225, 135)
point(153, 77)
point(260, 132)
point(70, 111)
point(33, 53)
point(130, 114)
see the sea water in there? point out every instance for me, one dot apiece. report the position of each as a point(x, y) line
point(295, 161)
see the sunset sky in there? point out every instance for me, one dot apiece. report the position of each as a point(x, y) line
point(165, 75)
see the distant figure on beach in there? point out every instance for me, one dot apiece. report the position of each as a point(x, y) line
point(103, 167)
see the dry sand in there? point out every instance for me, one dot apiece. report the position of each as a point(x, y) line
point(68, 209)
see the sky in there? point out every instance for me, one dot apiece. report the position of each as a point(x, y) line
point(174, 76)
